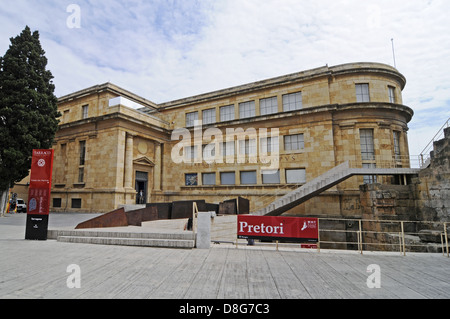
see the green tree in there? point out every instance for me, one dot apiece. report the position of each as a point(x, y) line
point(28, 108)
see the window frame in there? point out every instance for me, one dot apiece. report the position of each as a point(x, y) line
point(268, 105)
point(210, 117)
point(253, 181)
point(391, 94)
point(303, 170)
point(265, 181)
point(194, 177)
point(222, 174)
point(367, 144)
point(288, 142)
point(362, 92)
point(190, 122)
point(227, 113)
point(298, 103)
point(210, 175)
point(247, 109)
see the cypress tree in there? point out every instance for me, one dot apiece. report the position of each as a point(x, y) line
point(28, 107)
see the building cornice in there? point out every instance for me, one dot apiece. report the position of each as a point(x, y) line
point(343, 69)
point(108, 87)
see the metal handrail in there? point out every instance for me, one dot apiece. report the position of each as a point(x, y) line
point(425, 154)
point(362, 246)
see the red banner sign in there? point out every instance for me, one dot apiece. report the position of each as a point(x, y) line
point(299, 229)
point(40, 182)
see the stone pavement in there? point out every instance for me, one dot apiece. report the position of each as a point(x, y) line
point(38, 269)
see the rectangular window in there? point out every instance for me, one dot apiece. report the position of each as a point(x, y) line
point(269, 105)
point(76, 202)
point(209, 151)
point(57, 202)
point(367, 147)
point(81, 175)
point(269, 145)
point(227, 148)
point(190, 152)
point(271, 177)
point(248, 177)
point(190, 179)
point(247, 147)
point(227, 178)
point(227, 113)
point(294, 142)
point(296, 176)
point(209, 116)
point(391, 94)
point(369, 179)
point(82, 152)
point(247, 109)
point(209, 178)
point(191, 118)
point(362, 93)
point(84, 111)
point(397, 145)
point(292, 101)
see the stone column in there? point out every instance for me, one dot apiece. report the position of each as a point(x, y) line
point(157, 168)
point(129, 162)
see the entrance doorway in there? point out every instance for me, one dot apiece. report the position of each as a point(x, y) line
point(141, 187)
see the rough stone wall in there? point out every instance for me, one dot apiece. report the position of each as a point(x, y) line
point(423, 205)
point(433, 190)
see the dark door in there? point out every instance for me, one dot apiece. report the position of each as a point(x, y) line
point(141, 187)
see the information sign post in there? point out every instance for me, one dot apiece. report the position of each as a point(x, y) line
point(39, 195)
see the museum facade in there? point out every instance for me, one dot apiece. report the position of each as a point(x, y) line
point(257, 141)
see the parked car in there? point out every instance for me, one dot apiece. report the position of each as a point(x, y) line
point(21, 206)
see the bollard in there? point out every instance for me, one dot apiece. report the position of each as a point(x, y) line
point(204, 230)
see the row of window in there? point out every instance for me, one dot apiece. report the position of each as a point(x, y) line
point(75, 203)
point(293, 176)
point(248, 147)
point(269, 105)
point(367, 144)
point(247, 109)
point(363, 95)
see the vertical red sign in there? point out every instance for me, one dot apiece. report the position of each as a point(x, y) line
point(40, 182)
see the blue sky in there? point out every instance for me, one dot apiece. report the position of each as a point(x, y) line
point(169, 49)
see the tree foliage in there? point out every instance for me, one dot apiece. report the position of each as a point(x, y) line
point(28, 106)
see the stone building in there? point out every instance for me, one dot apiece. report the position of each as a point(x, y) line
point(258, 141)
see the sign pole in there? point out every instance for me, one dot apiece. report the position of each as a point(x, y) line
point(39, 195)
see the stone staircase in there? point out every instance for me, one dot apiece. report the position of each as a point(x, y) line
point(125, 238)
point(323, 182)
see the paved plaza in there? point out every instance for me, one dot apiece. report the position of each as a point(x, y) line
point(41, 269)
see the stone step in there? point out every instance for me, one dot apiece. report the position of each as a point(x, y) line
point(129, 241)
point(54, 234)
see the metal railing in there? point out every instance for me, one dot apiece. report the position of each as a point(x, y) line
point(424, 157)
point(396, 161)
point(361, 235)
point(389, 235)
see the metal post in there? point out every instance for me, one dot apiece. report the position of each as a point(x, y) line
point(442, 244)
point(403, 239)
point(318, 236)
point(400, 244)
point(360, 238)
point(446, 238)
